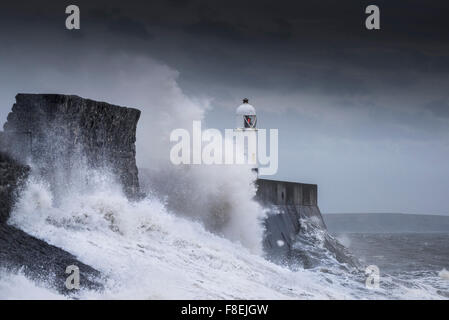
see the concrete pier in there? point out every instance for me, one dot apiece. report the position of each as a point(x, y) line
point(287, 203)
point(295, 232)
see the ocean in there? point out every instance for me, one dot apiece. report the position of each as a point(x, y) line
point(420, 258)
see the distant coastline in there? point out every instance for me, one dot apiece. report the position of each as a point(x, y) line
point(385, 223)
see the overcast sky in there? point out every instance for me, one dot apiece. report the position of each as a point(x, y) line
point(363, 114)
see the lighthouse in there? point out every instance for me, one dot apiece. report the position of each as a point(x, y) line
point(246, 134)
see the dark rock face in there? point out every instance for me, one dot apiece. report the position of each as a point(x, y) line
point(59, 132)
point(11, 176)
point(34, 257)
point(41, 261)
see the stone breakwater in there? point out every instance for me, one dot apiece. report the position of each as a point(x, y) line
point(296, 234)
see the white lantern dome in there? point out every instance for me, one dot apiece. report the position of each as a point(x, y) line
point(246, 116)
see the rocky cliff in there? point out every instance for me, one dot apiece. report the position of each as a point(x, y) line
point(11, 176)
point(60, 135)
point(59, 132)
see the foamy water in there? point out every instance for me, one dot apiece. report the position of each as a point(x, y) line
point(146, 252)
point(15, 286)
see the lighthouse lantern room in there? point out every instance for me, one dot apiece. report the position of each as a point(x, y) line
point(246, 116)
point(246, 130)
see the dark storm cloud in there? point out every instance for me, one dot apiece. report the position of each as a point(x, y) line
point(348, 96)
point(117, 23)
point(319, 46)
point(214, 28)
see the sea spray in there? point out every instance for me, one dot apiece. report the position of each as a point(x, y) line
point(146, 252)
point(220, 197)
point(444, 274)
point(16, 286)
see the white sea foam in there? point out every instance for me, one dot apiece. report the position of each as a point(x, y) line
point(146, 252)
point(444, 274)
point(16, 286)
point(344, 240)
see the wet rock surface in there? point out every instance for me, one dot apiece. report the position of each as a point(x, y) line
point(11, 175)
